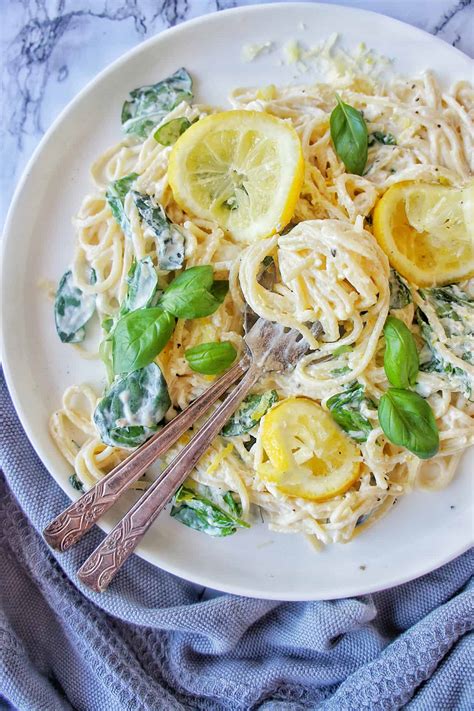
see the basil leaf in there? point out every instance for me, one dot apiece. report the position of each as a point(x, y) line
point(253, 408)
point(72, 310)
point(142, 281)
point(193, 278)
point(219, 290)
point(408, 420)
point(400, 294)
point(345, 409)
point(169, 238)
point(115, 196)
point(139, 337)
point(148, 105)
point(211, 358)
point(169, 132)
point(198, 511)
point(105, 353)
point(387, 139)
point(132, 407)
point(349, 136)
point(400, 359)
point(193, 294)
point(107, 325)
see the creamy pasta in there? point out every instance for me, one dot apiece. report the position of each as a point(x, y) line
point(330, 269)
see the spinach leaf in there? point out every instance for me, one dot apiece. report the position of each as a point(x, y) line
point(142, 281)
point(148, 105)
point(341, 371)
point(408, 420)
point(400, 294)
point(115, 196)
point(431, 360)
point(211, 358)
point(387, 139)
point(193, 294)
point(169, 132)
point(132, 407)
point(169, 237)
point(253, 408)
point(400, 361)
point(453, 306)
point(76, 483)
point(342, 349)
point(138, 338)
point(345, 410)
point(196, 509)
point(72, 310)
point(235, 507)
point(349, 136)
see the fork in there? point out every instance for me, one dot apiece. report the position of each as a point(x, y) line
point(66, 529)
point(271, 348)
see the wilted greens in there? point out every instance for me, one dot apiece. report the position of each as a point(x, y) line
point(148, 105)
point(206, 510)
point(132, 408)
point(115, 196)
point(169, 132)
point(169, 238)
point(253, 408)
point(345, 408)
point(400, 295)
point(72, 310)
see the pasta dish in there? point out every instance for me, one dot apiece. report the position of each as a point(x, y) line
point(359, 194)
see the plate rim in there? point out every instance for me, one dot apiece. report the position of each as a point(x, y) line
point(357, 588)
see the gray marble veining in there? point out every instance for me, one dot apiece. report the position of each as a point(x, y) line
point(51, 48)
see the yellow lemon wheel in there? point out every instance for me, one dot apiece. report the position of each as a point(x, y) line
point(304, 451)
point(242, 169)
point(427, 231)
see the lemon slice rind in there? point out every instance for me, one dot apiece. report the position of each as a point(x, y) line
point(308, 455)
point(241, 169)
point(427, 231)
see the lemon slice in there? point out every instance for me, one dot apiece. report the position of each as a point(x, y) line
point(427, 231)
point(242, 169)
point(305, 453)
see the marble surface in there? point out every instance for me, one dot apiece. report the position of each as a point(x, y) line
point(51, 48)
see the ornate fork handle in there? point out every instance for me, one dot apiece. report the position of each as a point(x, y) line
point(104, 563)
point(69, 526)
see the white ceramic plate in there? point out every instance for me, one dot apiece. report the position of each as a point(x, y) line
point(425, 530)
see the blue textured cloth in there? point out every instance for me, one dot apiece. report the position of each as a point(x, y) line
point(152, 643)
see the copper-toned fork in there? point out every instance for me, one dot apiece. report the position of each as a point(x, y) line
point(272, 347)
point(73, 523)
